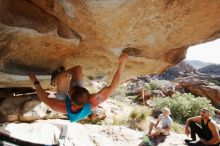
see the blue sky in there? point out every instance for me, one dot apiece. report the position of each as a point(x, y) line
point(206, 52)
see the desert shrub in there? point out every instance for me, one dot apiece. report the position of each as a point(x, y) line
point(138, 116)
point(119, 93)
point(216, 82)
point(140, 113)
point(177, 127)
point(118, 122)
point(153, 85)
point(183, 106)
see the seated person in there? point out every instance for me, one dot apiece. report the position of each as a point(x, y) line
point(207, 132)
point(165, 124)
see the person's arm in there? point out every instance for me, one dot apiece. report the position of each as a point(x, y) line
point(194, 119)
point(158, 120)
point(102, 95)
point(215, 135)
point(53, 103)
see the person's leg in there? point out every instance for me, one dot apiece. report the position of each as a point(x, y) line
point(77, 76)
point(156, 132)
point(151, 126)
point(165, 132)
point(195, 129)
point(63, 83)
point(69, 78)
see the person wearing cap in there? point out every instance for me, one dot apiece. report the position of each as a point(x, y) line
point(162, 125)
point(72, 98)
point(204, 127)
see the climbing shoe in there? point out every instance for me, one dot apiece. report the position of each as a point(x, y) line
point(187, 141)
point(55, 73)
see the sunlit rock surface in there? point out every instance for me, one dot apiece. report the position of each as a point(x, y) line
point(38, 36)
point(29, 108)
point(66, 133)
point(26, 109)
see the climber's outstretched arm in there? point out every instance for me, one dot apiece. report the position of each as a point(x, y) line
point(102, 95)
point(53, 103)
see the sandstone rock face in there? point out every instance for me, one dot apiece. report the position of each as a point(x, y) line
point(33, 109)
point(10, 108)
point(202, 88)
point(38, 36)
point(26, 109)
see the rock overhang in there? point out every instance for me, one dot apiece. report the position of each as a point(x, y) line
point(38, 36)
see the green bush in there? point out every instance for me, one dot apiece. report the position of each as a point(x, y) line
point(118, 122)
point(119, 93)
point(138, 116)
point(177, 128)
point(153, 85)
point(183, 106)
point(216, 82)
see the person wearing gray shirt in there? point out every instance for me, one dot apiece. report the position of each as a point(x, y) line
point(163, 124)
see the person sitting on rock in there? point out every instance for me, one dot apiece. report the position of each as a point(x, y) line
point(72, 98)
point(207, 132)
point(162, 125)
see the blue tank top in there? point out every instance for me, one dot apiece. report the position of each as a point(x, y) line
point(74, 117)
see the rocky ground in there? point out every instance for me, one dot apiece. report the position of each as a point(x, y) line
point(65, 133)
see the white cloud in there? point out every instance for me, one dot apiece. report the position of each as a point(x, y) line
point(206, 52)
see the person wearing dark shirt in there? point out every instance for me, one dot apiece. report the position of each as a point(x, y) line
point(207, 131)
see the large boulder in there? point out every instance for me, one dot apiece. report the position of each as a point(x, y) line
point(202, 88)
point(33, 110)
point(29, 108)
point(26, 109)
point(38, 36)
point(10, 108)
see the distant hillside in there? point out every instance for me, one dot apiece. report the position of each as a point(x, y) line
point(197, 64)
point(181, 69)
point(185, 67)
point(211, 69)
